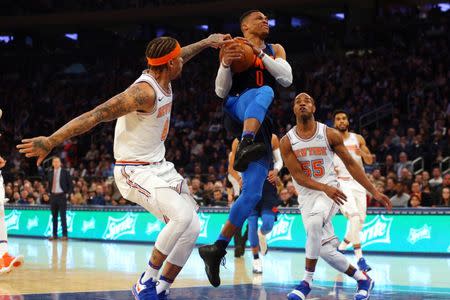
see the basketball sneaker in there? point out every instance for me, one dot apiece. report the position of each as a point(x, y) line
point(364, 288)
point(363, 266)
point(146, 290)
point(213, 257)
point(247, 151)
point(8, 262)
point(300, 291)
point(163, 295)
point(257, 266)
point(262, 242)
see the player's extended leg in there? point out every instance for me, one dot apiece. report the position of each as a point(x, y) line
point(360, 198)
point(250, 108)
point(179, 214)
point(253, 180)
point(339, 262)
point(7, 261)
point(178, 257)
point(268, 219)
point(253, 239)
point(314, 231)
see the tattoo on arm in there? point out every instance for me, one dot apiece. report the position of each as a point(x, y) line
point(134, 98)
point(189, 51)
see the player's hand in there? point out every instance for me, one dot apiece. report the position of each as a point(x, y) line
point(38, 147)
point(383, 199)
point(255, 49)
point(2, 162)
point(232, 53)
point(335, 194)
point(216, 40)
point(273, 176)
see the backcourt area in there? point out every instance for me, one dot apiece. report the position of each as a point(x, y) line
point(96, 270)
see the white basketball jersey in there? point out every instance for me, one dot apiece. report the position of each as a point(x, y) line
point(140, 136)
point(352, 144)
point(314, 156)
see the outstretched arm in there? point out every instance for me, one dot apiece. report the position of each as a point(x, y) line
point(214, 40)
point(297, 173)
point(139, 96)
point(337, 143)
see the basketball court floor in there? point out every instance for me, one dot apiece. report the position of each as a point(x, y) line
point(95, 270)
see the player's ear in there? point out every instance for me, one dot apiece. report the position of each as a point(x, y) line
point(314, 108)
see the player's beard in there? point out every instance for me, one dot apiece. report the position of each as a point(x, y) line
point(341, 129)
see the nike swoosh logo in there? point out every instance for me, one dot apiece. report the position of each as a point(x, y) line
point(293, 144)
point(160, 99)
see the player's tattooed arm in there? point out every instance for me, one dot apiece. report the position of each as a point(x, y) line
point(137, 97)
point(215, 40)
point(291, 162)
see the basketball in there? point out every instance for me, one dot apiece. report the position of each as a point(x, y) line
point(245, 62)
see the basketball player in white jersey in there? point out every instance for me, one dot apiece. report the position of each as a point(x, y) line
point(7, 262)
point(355, 207)
point(308, 150)
point(141, 172)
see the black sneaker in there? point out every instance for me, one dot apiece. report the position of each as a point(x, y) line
point(239, 243)
point(247, 151)
point(212, 256)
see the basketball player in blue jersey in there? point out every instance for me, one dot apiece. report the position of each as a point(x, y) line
point(266, 209)
point(248, 96)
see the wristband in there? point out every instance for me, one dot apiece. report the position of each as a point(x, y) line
point(261, 54)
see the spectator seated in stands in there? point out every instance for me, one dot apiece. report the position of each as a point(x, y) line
point(400, 199)
point(445, 197)
point(415, 201)
point(218, 198)
point(286, 199)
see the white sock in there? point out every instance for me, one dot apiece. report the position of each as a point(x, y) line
point(358, 253)
point(343, 245)
point(359, 275)
point(162, 285)
point(308, 277)
point(150, 273)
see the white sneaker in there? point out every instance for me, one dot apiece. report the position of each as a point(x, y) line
point(262, 242)
point(257, 266)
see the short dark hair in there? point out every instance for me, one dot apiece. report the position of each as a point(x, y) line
point(340, 111)
point(246, 14)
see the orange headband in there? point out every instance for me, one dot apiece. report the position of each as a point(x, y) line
point(159, 61)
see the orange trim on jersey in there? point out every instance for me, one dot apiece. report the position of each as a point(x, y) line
point(136, 163)
point(159, 61)
point(308, 139)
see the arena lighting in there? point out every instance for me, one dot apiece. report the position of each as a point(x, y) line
point(272, 22)
point(6, 38)
point(72, 36)
point(296, 22)
point(160, 32)
point(339, 16)
point(444, 6)
point(203, 27)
